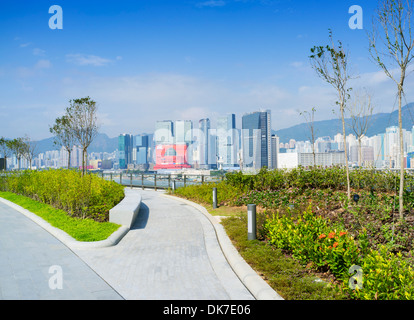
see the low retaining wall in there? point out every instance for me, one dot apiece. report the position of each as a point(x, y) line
point(125, 212)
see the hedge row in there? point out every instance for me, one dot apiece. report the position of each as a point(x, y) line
point(86, 196)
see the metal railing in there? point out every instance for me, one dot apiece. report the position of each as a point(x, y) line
point(160, 181)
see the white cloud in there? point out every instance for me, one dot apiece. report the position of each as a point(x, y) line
point(24, 45)
point(43, 64)
point(211, 3)
point(297, 64)
point(38, 52)
point(86, 60)
point(27, 72)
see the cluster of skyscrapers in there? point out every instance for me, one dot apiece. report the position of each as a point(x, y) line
point(183, 144)
point(379, 151)
point(178, 144)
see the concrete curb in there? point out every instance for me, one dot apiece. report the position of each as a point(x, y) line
point(65, 238)
point(125, 212)
point(252, 281)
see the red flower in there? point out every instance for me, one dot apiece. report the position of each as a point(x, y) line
point(335, 244)
point(331, 235)
point(322, 236)
point(342, 233)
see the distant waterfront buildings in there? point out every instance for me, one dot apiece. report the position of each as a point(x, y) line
point(177, 145)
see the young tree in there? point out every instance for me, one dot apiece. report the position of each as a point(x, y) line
point(82, 116)
point(63, 135)
point(310, 120)
point(17, 146)
point(331, 64)
point(29, 150)
point(5, 150)
point(360, 110)
point(391, 45)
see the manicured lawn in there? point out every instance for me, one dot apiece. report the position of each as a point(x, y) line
point(80, 229)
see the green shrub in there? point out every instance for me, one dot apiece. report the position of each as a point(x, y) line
point(312, 239)
point(86, 196)
point(204, 193)
point(385, 276)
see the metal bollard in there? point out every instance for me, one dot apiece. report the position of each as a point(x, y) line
point(173, 185)
point(214, 198)
point(251, 222)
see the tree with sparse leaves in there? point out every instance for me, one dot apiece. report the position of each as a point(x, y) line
point(63, 135)
point(310, 120)
point(5, 150)
point(83, 120)
point(331, 64)
point(391, 44)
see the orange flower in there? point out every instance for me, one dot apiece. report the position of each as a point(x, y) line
point(322, 236)
point(331, 235)
point(342, 233)
point(335, 244)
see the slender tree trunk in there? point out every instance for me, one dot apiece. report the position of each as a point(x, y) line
point(69, 153)
point(314, 155)
point(359, 152)
point(346, 154)
point(83, 162)
point(401, 209)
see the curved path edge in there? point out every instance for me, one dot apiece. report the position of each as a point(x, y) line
point(65, 238)
point(258, 287)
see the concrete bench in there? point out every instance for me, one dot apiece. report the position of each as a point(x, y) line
point(125, 212)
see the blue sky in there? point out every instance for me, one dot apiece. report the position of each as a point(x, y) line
point(151, 60)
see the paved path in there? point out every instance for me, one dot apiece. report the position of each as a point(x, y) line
point(171, 252)
point(28, 253)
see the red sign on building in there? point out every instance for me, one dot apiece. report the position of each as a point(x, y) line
point(171, 156)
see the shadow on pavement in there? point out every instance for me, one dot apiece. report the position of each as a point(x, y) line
point(142, 218)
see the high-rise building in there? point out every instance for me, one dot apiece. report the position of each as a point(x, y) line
point(172, 140)
point(257, 140)
point(125, 145)
point(140, 149)
point(183, 132)
point(164, 132)
point(203, 143)
point(227, 140)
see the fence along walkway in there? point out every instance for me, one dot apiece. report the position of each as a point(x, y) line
point(159, 181)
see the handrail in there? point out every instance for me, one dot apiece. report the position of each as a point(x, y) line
point(160, 181)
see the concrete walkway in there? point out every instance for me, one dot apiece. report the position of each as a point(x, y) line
point(31, 259)
point(170, 253)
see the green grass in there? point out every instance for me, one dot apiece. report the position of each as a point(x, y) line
point(85, 230)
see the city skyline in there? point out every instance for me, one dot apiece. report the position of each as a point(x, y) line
point(186, 60)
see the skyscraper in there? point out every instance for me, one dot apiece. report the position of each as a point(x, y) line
point(257, 140)
point(227, 140)
point(164, 132)
point(140, 150)
point(172, 140)
point(203, 143)
point(125, 145)
point(183, 132)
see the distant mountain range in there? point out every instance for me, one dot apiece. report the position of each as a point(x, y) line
point(300, 132)
point(101, 143)
point(378, 123)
